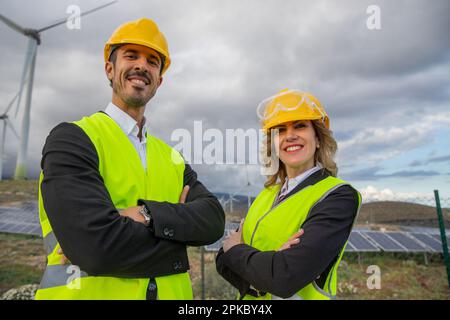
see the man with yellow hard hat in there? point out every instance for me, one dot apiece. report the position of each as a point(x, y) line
point(118, 203)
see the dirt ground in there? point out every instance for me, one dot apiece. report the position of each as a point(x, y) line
point(22, 260)
point(12, 191)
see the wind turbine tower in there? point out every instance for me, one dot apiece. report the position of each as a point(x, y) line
point(6, 123)
point(34, 40)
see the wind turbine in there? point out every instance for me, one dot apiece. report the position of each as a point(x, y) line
point(231, 199)
point(34, 39)
point(222, 201)
point(6, 123)
point(231, 196)
point(249, 199)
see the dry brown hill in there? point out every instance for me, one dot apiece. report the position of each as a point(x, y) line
point(388, 212)
point(405, 213)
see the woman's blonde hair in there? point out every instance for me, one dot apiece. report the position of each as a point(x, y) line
point(324, 155)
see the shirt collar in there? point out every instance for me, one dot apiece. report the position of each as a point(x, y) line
point(125, 121)
point(290, 184)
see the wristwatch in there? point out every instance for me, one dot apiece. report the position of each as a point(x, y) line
point(146, 214)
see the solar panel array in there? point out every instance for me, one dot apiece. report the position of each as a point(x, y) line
point(25, 220)
point(21, 220)
point(366, 240)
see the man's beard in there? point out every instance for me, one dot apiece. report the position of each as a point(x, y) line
point(129, 100)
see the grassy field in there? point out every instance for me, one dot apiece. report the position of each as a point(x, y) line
point(12, 191)
point(403, 276)
point(22, 260)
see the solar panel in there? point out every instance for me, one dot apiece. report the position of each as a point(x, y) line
point(229, 226)
point(360, 243)
point(438, 238)
point(21, 220)
point(350, 247)
point(5, 226)
point(9, 227)
point(16, 228)
point(214, 246)
point(28, 229)
point(384, 242)
point(408, 242)
point(434, 245)
point(30, 206)
point(37, 231)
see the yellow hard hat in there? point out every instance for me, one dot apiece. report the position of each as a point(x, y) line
point(144, 32)
point(290, 105)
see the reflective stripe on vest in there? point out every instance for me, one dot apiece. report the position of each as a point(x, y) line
point(50, 242)
point(126, 181)
point(60, 275)
point(267, 228)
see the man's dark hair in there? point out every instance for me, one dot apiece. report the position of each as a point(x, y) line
point(113, 55)
point(113, 59)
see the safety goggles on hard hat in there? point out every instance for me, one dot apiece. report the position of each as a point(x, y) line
point(290, 105)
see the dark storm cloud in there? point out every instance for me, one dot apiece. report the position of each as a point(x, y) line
point(372, 173)
point(229, 55)
point(430, 160)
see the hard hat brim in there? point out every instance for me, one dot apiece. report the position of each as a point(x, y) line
point(271, 124)
point(108, 52)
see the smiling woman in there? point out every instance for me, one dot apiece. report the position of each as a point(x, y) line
point(294, 235)
point(292, 153)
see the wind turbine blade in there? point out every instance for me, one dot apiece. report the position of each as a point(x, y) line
point(11, 103)
point(19, 94)
point(64, 20)
point(11, 127)
point(13, 25)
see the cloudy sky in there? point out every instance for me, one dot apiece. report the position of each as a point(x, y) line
point(387, 90)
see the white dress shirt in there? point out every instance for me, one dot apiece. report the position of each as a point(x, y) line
point(130, 127)
point(290, 184)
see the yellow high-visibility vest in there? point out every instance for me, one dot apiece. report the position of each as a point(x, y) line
point(266, 228)
point(126, 183)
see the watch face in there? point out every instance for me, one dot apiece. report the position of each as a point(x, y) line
point(144, 212)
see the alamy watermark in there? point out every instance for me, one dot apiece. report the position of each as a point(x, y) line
point(74, 19)
point(74, 280)
point(373, 21)
point(374, 280)
point(232, 146)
